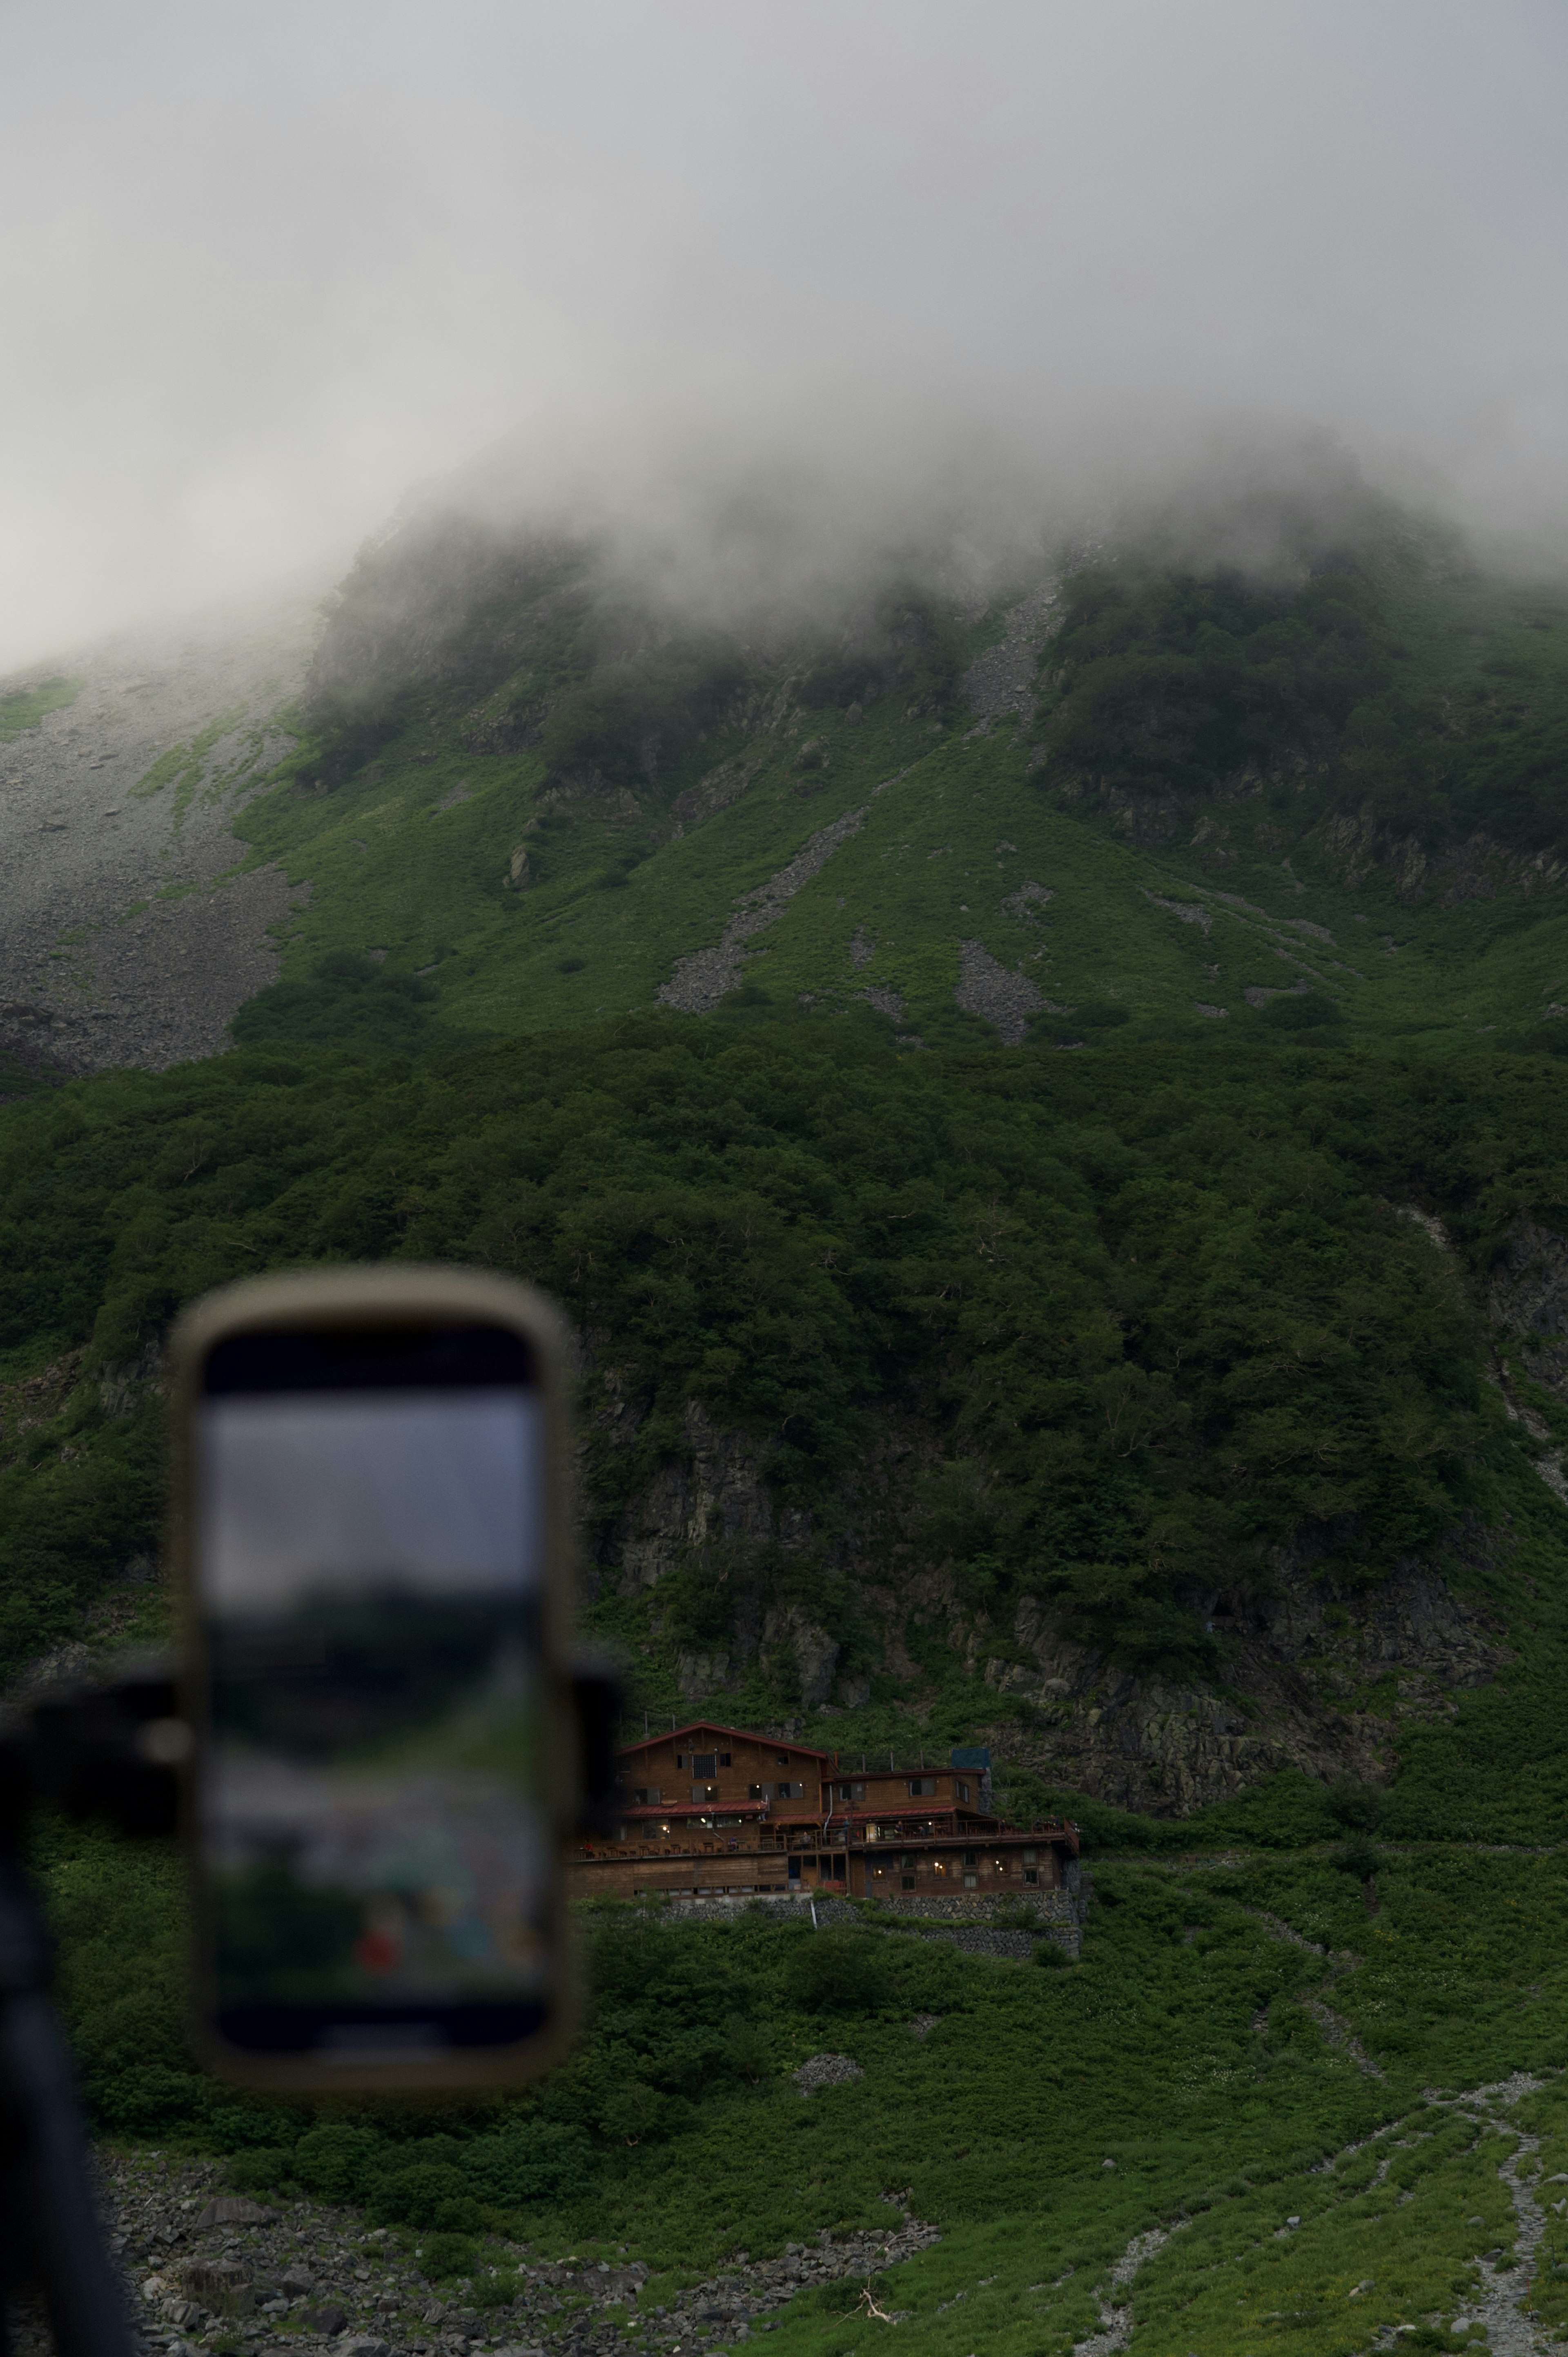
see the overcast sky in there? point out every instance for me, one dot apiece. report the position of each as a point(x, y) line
point(263, 267)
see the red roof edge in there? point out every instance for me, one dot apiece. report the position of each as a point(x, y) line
point(696, 1809)
point(736, 1734)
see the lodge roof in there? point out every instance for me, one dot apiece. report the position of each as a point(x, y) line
point(734, 1733)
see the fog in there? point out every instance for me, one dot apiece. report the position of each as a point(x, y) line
point(262, 270)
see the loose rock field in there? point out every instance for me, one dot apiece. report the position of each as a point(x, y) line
point(210, 2274)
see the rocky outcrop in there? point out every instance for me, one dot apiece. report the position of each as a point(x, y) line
point(1321, 1678)
point(713, 1490)
point(1005, 1001)
point(715, 792)
point(1477, 869)
point(1526, 1293)
point(708, 1508)
point(1002, 681)
point(1318, 1676)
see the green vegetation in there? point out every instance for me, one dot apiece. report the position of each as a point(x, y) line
point(1184, 2051)
point(1118, 1322)
point(183, 767)
point(1155, 1309)
point(1389, 683)
point(23, 707)
point(1171, 682)
point(536, 801)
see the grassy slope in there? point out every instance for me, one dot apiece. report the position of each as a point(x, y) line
point(1182, 2051)
point(620, 898)
point(25, 706)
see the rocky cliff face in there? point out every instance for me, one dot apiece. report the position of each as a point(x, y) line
point(1319, 1678)
point(1528, 1298)
point(1330, 1680)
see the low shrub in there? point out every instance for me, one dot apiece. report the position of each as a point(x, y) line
point(836, 1972)
point(443, 2255)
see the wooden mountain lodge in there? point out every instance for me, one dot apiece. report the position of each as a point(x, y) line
point(710, 1810)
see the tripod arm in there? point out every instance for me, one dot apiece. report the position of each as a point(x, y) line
point(53, 2213)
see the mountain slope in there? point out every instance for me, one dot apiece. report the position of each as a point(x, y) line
point(552, 806)
point(1106, 1398)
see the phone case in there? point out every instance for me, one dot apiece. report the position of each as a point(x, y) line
point(365, 1298)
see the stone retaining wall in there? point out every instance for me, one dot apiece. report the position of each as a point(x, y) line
point(723, 1910)
point(964, 1920)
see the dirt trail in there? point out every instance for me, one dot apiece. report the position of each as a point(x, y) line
point(1501, 2307)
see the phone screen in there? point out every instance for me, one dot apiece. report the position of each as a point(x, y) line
point(370, 1533)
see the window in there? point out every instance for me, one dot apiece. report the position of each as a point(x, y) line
point(724, 1760)
point(680, 1759)
point(919, 1784)
point(852, 1791)
point(789, 1792)
point(972, 1857)
point(648, 1796)
point(962, 1792)
point(969, 1881)
point(703, 1792)
point(1031, 1874)
point(907, 1864)
point(704, 1763)
point(837, 1866)
point(783, 1757)
point(908, 1881)
point(757, 1792)
point(1031, 1858)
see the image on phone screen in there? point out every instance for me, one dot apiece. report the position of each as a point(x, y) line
point(370, 1543)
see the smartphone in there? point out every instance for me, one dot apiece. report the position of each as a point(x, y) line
point(372, 1534)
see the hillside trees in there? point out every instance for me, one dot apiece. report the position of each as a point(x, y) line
point(1153, 1334)
point(1420, 698)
